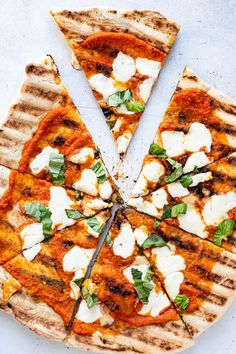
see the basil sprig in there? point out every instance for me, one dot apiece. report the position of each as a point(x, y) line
point(182, 300)
point(157, 223)
point(224, 230)
point(109, 240)
point(74, 214)
point(100, 172)
point(142, 287)
point(166, 212)
point(174, 211)
point(153, 240)
point(177, 171)
point(186, 180)
point(95, 224)
point(157, 151)
point(78, 282)
point(135, 107)
point(91, 299)
point(57, 168)
point(42, 214)
point(78, 195)
point(125, 97)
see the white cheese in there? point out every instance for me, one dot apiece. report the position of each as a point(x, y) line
point(106, 319)
point(217, 207)
point(192, 221)
point(87, 182)
point(197, 137)
point(124, 243)
point(87, 315)
point(32, 252)
point(103, 85)
point(153, 171)
point(172, 283)
point(143, 268)
point(143, 206)
point(140, 235)
point(148, 67)
point(41, 161)
point(32, 234)
point(200, 178)
point(167, 261)
point(105, 190)
point(90, 230)
point(140, 187)
point(123, 67)
point(197, 159)
point(59, 201)
point(159, 198)
point(156, 303)
point(77, 258)
point(82, 155)
point(145, 89)
point(123, 109)
point(177, 190)
point(90, 207)
point(123, 142)
point(173, 142)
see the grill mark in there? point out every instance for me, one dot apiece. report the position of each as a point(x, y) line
point(219, 127)
point(47, 261)
point(18, 124)
point(226, 107)
point(39, 92)
point(27, 108)
point(187, 245)
point(59, 140)
point(118, 289)
point(38, 70)
point(70, 123)
point(216, 278)
point(51, 282)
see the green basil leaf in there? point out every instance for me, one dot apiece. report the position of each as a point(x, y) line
point(177, 171)
point(196, 169)
point(153, 240)
point(109, 240)
point(91, 299)
point(157, 151)
point(177, 209)
point(142, 287)
point(78, 282)
point(74, 214)
point(186, 180)
point(95, 224)
point(224, 230)
point(117, 98)
point(42, 214)
point(157, 223)
point(57, 168)
point(100, 172)
point(134, 107)
point(166, 212)
point(78, 195)
point(182, 301)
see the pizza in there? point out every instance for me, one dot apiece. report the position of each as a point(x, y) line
point(198, 128)
point(44, 135)
point(121, 54)
point(202, 203)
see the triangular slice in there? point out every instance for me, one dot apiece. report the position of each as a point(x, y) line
point(198, 128)
point(32, 210)
point(121, 53)
point(116, 314)
point(44, 135)
point(203, 203)
point(198, 276)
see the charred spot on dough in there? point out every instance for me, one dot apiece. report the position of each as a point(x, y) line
point(36, 70)
point(182, 117)
point(107, 112)
point(53, 282)
point(67, 244)
point(104, 69)
point(70, 123)
point(26, 191)
point(118, 289)
point(59, 140)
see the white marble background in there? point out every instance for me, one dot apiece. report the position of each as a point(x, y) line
point(206, 42)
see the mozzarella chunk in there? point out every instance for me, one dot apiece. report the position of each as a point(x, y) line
point(123, 142)
point(148, 67)
point(143, 206)
point(82, 155)
point(140, 235)
point(200, 178)
point(177, 190)
point(197, 137)
point(166, 260)
point(105, 190)
point(41, 161)
point(172, 283)
point(106, 319)
point(32, 234)
point(145, 89)
point(123, 67)
point(192, 221)
point(216, 208)
point(173, 142)
point(90, 207)
point(90, 230)
point(87, 315)
point(77, 258)
point(153, 171)
point(59, 201)
point(159, 198)
point(143, 268)
point(103, 85)
point(87, 182)
point(123, 109)
point(197, 159)
point(32, 252)
point(124, 243)
point(140, 187)
point(156, 303)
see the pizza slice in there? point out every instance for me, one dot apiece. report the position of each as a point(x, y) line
point(124, 307)
point(121, 54)
point(202, 203)
point(44, 135)
point(198, 276)
point(33, 209)
point(198, 128)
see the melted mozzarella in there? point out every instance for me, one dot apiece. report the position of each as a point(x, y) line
point(105, 190)
point(87, 315)
point(200, 178)
point(156, 303)
point(124, 243)
point(216, 208)
point(145, 89)
point(173, 142)
point(159, 198)
point(140, 235)
point(197, 137)
point(148, 67)
point(87, 182)
point(143, 206)
point(103, 85)
point(123, 109)
point(143, 268)
point(172, 283)
point(167, 261)
point(92, 231)
point(59, 201)
point(32, 252)
point(32, 234)
point(198, 159)
point(90, 207)
point(140, 187)
point(123, 67)
point(41, 161)
point(82, 155)
point(123, 142)
point(177, 190)
point(77, 258)
point(153, 171)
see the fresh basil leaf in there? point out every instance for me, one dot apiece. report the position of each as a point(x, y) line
point(186, 180)
point(109, 240)
point(78, 282)
point(42, 214)
point(78, 195)
point(182, 300)
point(157, 151)
point(177, 209)
point(153, 240)
point(196, 169)
point(57, 168)
point(157, 223)
point(224, 230)
point(91, 299)
point(95, 224)
point(134, 107)
point(117, 98)
point(166, 212)
point(142, 287)
point(100, 172)
point(177, 171)
point(74, 214)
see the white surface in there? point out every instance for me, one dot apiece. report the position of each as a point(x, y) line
point(207, 42)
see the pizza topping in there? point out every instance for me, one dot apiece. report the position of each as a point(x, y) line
point(32, 234)
point(143, 206)
point(182, 301)
point(123, 67)
point(157, 302)
point(103, 85)
point(123, 142)
point(105, 190)
point(186, 180)
point(177, 171)
point(119, 97)
point(178, 209)
point(157, 151)
point(153, 240)
point(148, 67)
point(74, 214)
point(172, 283)
point(109, 240)
point(77, 258)
point(32, 252)
point(96, 225)
point(200, 178)
point(41, 161)
point(87, 182)
point(145, 89)
point(56, 168)
point(100, 172)
point(90, 297)
point(173, 142)
point(159, 198)
point(124, 243)
point(198, 159)
point(83, 155)
point(224, 230)
point(140, 235)
point(88, 315)
point(42, 214)
point(90, 207)
point(176, 189)
point(59, 202)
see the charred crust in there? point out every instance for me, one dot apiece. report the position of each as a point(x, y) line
point(59, 140)
point(70, 123)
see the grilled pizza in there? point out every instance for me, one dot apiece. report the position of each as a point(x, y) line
point(121, 54)
point(44, 135)
point(198, 128)
point(202, 203)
